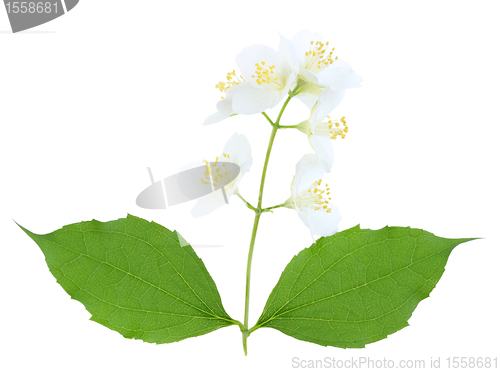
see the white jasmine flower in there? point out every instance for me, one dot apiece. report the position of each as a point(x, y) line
point(269, 74)
point(321, 129)
point(224, 106)
point(311, 200)
point(237, 151)
point(319, 69)
point(266, 77)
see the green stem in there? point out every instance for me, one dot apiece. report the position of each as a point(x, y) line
point(283, 109)
point(273, 207)
point(288, 126)
point(258, 211)
point(268, 119)
point(247, 203)
point(250, 206)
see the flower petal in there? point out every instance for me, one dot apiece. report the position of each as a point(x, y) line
point(328, 100)
point(313, 79)
point(224, 106)
point(320, 222)
point(309, 83)
point(288, 62)
point(251, 55)
point(209, 203)
point(307, 171)
point(239, 151)
point(302, 42)
point(224, 110)
point(308, 99)
point(340, 76)
point(313, 117)
point(324, 150)
point(252, 100)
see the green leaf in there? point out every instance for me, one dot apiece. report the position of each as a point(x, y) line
point(134, 277)
point(357, 286)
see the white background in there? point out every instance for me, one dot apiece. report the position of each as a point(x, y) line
point(90, 100)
